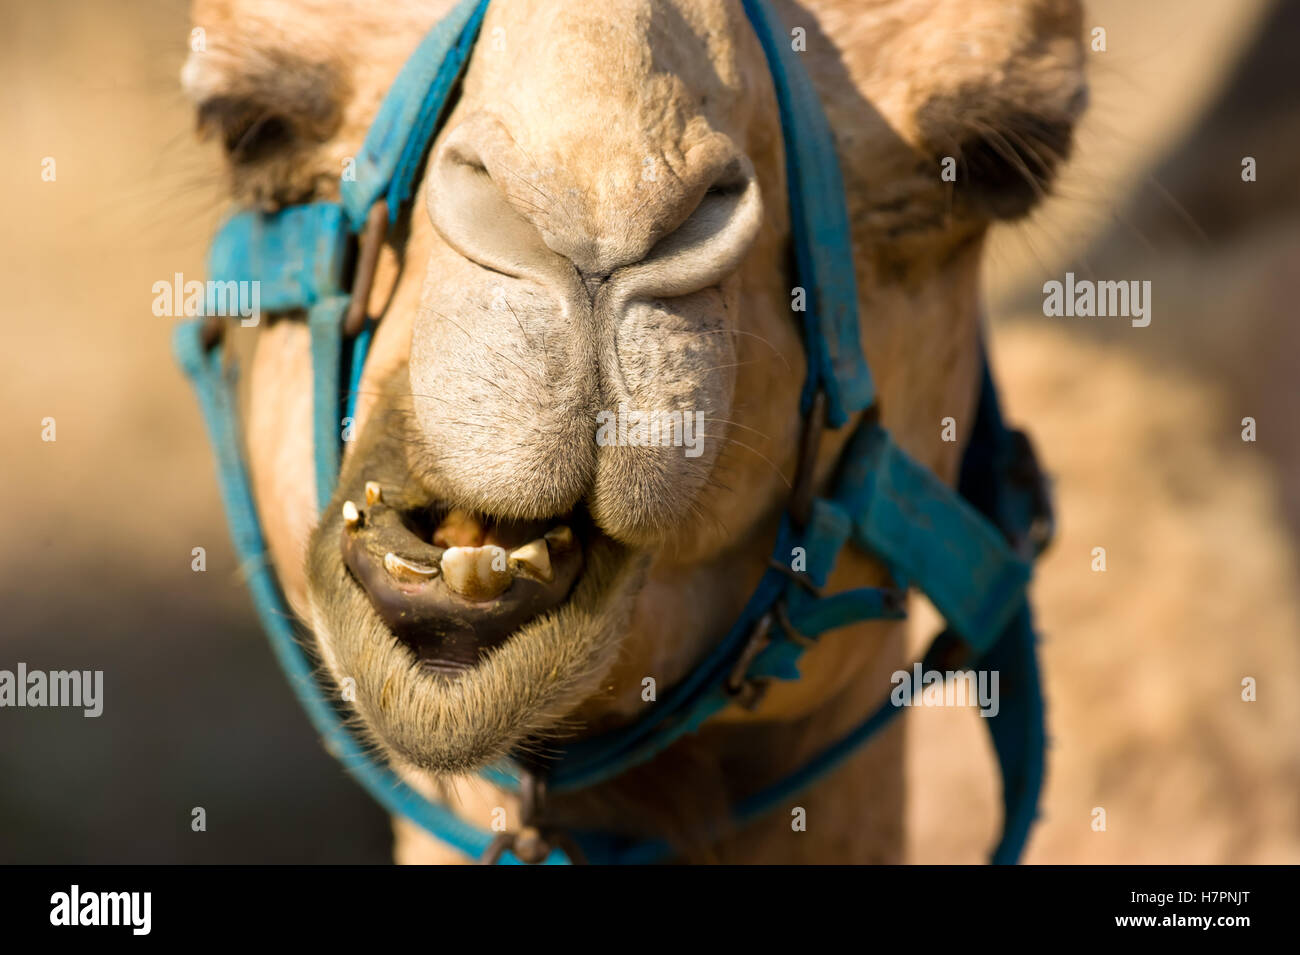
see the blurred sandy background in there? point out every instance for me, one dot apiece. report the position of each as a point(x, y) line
point(1140, 427)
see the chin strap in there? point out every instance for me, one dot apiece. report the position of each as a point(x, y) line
point(969, 551)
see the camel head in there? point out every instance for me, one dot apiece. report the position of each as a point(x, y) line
point(600, 245)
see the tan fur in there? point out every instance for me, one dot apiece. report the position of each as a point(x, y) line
point(490, 408)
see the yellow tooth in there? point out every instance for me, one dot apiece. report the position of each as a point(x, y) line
point(534, 559)
point(351, 516)
point(374, 493)
point(476, 573)
point(400, 566)
point(560, 537)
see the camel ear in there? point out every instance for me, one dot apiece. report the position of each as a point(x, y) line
point(991, 100)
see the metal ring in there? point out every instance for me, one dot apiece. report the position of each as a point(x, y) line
point(800, 578)
point(372, 240)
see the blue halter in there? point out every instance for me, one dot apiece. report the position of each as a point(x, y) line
point(969, 551)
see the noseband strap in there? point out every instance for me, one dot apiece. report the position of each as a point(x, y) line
point(969, 550)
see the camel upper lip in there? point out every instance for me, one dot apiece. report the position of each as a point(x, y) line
point(451, 604)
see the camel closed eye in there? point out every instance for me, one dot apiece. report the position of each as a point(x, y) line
point(248, 130)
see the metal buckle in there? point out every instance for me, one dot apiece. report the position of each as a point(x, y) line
point(369, 244)
point(791, 632)
point(747, 691)
point(532, 843)
point(799, 577)
point(809, 444)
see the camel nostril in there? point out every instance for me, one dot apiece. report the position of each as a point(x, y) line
point(452, 603)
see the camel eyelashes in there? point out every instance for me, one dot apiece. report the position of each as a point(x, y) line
point(249, 131)
point(1009, 165)
point(266, 106)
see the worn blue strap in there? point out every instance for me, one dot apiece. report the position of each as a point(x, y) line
point(325, 327)
point(295, 255)
point(993, 480)
point(357, 365)
point(1018, 731)
point(819, 225)
point(391, 157)
point(930, 536)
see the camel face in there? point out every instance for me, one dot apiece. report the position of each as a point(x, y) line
point(580, 416)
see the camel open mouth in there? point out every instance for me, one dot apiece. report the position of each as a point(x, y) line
point(451, 584)
point(461, 634)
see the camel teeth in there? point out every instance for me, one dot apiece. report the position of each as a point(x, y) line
point(561, 537)
point(401, 567)
point(534, 559)
point(351, 516)
point(374, 493)
point(476, 573)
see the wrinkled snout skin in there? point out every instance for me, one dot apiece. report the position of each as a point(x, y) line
point(564, 288)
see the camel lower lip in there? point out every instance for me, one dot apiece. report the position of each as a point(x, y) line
point(452, 604)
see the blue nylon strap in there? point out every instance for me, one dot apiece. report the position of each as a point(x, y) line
point(391, 157)
point(1001, 478)
point(849, 606)
point(1019, 732)
point(953, 527)
point(988, 480)
point(360, 349)
point(1018, 729)
point(829, 526)
point(1018, 742)
point(325, 327)
point(819, 225)
point(928, 535)
point(295, 255)
point(828, 531)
